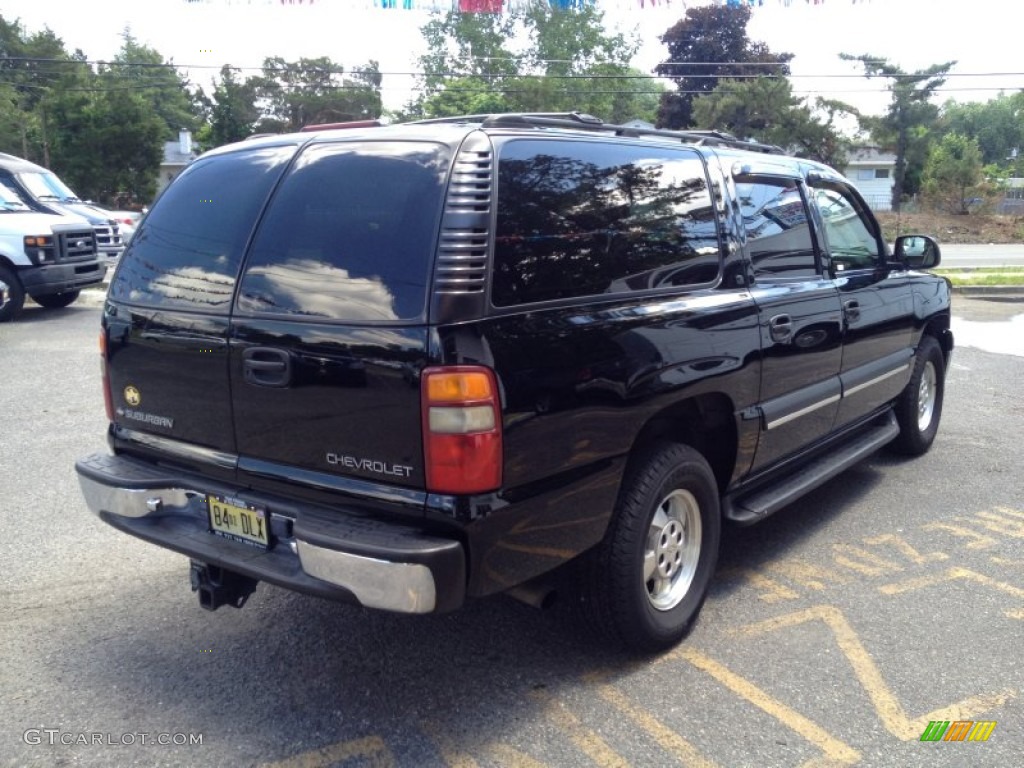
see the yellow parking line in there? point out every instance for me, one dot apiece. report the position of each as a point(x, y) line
point(592, 745)
point(908, 551)
point(450, 753)
point(807, 575)
point(1006, 561)
point(950, 575)
point(814, 733)
point(867, 563)
point(1001, 523)
point(666, 738)
point(372, 748)
point(977, 540)
point(1010, 512)
point(454, 757)
point(890, 711)
point(771, 590)
point(507, 757)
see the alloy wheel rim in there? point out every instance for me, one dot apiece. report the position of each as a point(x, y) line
point(672, 550)
point(926, 397)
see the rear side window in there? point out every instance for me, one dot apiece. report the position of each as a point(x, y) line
point(187, 253)
point(588, 218)
point(350, 234)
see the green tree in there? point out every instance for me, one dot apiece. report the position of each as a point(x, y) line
point(32, 66)
point(997, 124)
point(317, 90)
point(463, 96)
point(109, 144)
point(567, 63)
point(467, 45)
point(233, 111)
point(906, 125)
point(144, 70)
point(708, 44)
point(953, 175)
point(764, 109)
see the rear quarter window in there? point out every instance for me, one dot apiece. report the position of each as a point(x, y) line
point(350, 234)
point(187, 253)
point(589, 218)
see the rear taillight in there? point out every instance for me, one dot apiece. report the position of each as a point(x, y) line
point(108, 400)
point(461, 429)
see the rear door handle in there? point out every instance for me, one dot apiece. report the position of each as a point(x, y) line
point(780, 327)
point(266, 367)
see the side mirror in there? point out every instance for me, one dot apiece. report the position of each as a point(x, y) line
point(917, 251)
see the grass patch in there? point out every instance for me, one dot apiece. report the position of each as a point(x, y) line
point(984, 276)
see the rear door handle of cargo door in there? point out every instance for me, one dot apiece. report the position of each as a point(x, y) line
point(267, 367)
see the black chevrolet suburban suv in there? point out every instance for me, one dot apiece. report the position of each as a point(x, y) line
point(411, 365)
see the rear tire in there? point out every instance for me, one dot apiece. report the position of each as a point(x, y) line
point(919, 406)
point(56, 300)
point(12, 296)
point(644, 585)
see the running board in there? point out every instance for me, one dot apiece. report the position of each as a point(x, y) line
point(759, 504)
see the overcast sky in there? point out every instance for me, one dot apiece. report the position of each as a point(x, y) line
point(984, 36)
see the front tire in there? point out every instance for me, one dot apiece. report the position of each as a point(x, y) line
point(56, 300)
point(12, 296)
point(919, 406)
point(644, 585)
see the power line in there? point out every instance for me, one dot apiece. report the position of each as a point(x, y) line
point(342, 71)
point(542, 76)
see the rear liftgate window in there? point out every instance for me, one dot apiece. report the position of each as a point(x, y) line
point(187, 253)
point(587, 218)
point(349, 235)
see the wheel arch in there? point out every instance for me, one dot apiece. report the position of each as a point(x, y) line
point(704, 422)
point(6, 262)
point(938, 328)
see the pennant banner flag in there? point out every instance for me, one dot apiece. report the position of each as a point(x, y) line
point(499, 6)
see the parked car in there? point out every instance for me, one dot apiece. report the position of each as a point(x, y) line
point(128, 221)
point(45, 192)
point(412, 365)
point(45, 256)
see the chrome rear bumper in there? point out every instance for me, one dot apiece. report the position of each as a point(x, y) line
point(331, 553)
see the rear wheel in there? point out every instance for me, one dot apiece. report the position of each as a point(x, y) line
point(56, 300)
point(12, 297)
point(919, 407)
point(644, 585)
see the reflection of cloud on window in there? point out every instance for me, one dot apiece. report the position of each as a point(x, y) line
point(310, 287)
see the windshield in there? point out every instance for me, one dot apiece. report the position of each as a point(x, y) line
point(46, 186)
point(10, 201)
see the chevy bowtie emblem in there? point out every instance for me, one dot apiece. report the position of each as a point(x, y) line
point(132, 396)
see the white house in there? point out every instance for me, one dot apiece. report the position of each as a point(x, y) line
point(177, 155)
point(872, 173)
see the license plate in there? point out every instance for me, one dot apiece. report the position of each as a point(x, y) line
point(239, 521)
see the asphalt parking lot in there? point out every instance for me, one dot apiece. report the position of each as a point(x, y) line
point(836, 631)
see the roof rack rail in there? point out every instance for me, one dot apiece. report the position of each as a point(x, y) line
point(581, 121)
point(344, 125)
point(577, 118)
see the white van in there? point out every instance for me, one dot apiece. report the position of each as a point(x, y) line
point(46, 256)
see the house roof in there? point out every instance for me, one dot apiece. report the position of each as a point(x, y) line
point(174, 156)
point(869, 155)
